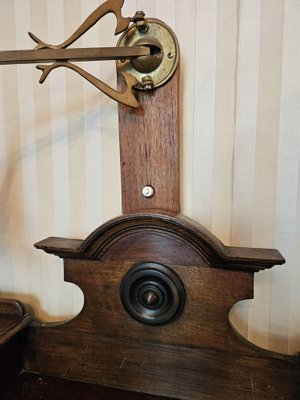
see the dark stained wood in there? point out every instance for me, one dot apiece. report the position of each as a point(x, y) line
point(198, 356)
point(104, 353)
point(149, 150)
point(11, 307)
point(174, 371)
point(11, 354)
point(39, 387)
point(209, 298)
point(13, 321)
point(125, 230)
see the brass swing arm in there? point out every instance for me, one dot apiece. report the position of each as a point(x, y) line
point(148, 50)
point(85, 54)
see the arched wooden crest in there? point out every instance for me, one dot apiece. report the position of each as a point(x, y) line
point(194, 356)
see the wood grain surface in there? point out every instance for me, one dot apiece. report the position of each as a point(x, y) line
point(173, 371)
point(198, 356)
point(40, 387)
point(13, 321)
point(149, 147)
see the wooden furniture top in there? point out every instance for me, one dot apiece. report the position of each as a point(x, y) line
point(36, 387)
point(197, 356)
point(13, 319)
point(97, 244)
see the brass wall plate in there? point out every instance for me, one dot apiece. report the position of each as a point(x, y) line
point(154, 70)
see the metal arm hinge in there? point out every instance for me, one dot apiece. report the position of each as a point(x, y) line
point(147, 53)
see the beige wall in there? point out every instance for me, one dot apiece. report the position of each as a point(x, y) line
point(59, 160)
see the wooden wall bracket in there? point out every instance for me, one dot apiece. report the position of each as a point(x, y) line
point(192, 353)
point(149, 151)
point(197, 356)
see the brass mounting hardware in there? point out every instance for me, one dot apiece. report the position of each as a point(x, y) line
point(142, 50)
point(163, 60)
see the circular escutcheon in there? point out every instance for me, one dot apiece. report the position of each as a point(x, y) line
point(163, 61)
point(153, 294)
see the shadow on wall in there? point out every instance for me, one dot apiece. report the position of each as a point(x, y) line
point(238, 319)
point(32, 303)
point(5, 242)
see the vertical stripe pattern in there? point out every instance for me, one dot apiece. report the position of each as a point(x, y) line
point(59, 148)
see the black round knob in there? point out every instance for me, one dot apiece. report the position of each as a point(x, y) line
point(152, 293)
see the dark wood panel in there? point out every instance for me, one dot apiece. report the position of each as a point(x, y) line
point(40, 387)
point(13, 321)
point(11, 307)
point(210, 294)
point(196, 356)
point(180, 229)
point(185, 373)
point(149, 150)
point(11, 355)
point(155, 245)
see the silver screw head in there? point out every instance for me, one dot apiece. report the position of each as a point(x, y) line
point(148, 192)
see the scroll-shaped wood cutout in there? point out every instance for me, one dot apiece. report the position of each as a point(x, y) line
point(196, 356)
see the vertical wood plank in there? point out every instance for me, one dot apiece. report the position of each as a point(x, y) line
point(149, 149)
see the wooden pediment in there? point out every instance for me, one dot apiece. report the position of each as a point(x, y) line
point(129, 230)
point(196, 355)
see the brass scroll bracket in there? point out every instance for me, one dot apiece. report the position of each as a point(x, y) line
point(110, 6)
point(147, 53)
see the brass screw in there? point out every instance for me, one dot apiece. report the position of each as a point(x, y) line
point(139, 16)
point(147, 82)
point(139, 20)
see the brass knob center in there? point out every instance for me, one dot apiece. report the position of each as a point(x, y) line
point(150, 297)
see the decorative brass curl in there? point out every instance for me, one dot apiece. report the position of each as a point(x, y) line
point(110, 6)
point(126, 97)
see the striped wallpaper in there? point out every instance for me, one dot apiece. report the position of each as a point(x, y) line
point(59, 156)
